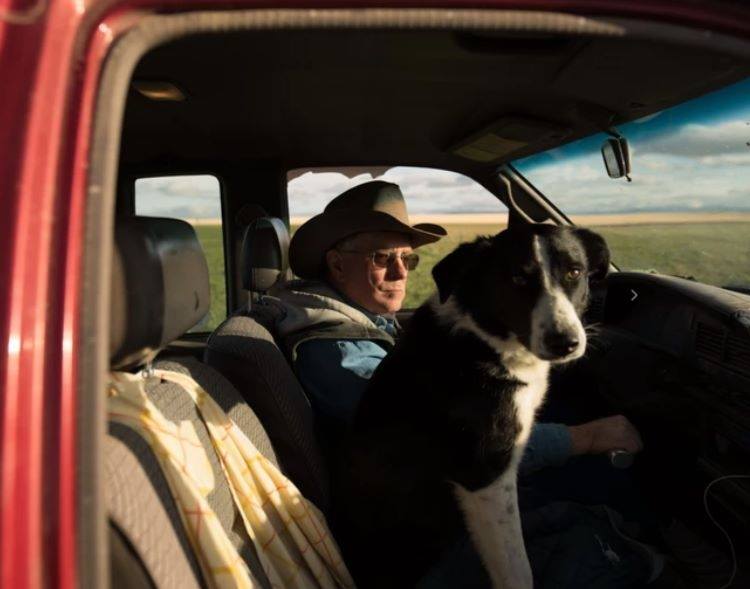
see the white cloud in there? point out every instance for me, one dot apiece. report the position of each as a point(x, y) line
point(425, 190)
point(699, 140)
point(666, 183)
point(726, 159)
point(193, 197)
point(185, 186)
point(657, 165)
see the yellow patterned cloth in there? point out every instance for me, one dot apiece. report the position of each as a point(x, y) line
point(290, 534)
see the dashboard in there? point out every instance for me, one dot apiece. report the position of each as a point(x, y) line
point(674, 356)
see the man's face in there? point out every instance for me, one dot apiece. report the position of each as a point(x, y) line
point(354, 274)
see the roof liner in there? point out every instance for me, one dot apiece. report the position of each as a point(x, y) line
point(306, 98)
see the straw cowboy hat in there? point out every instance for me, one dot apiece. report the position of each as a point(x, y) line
point(373, 206)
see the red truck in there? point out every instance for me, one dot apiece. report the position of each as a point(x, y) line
point(290, 86)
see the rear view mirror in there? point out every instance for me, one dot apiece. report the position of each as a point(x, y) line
point(616, 157)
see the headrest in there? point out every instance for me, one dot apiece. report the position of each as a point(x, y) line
point(265, 254)
point(160, 287)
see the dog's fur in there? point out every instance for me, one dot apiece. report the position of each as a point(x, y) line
point(444, 422)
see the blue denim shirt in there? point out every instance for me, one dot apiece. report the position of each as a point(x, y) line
point(334, 373)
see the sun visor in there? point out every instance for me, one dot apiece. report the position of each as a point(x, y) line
point(507, 135)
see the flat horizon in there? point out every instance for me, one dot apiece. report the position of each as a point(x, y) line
point(645, 218)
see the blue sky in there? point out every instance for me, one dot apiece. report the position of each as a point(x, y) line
point(692, 157)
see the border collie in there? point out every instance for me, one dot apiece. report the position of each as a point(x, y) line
point(443, 424)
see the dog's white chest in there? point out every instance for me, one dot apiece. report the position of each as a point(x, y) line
point(528, 397)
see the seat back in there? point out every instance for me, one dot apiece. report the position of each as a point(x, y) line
point(264, 260)
point(243, 349)
point(245, 352)
point(160, 276)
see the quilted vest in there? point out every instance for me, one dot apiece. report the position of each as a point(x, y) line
point(313, 310)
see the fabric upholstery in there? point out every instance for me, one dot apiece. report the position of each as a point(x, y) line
point(160, 286)
point(245, 352)
point(138, 498)
point(140, 506)
point(264, 260)
point(290, 535)
point(126, 569)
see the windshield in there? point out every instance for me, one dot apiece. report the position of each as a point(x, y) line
point(687, 210)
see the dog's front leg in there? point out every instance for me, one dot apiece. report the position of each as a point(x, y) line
point(495, 526)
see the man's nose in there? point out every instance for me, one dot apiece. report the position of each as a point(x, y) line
point(397, 270)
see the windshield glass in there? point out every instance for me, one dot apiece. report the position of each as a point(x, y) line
point(687, 210)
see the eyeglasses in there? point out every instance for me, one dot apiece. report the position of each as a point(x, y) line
point(410, 260)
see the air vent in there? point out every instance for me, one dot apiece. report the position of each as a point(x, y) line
point(715, 345)
point(709, 342)
point(595, 311)
point(738, 354)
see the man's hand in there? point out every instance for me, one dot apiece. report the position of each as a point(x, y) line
point(602, 435)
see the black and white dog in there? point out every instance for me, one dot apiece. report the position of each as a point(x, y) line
point(443, 424)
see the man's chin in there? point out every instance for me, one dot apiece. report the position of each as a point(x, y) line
point(392, 301)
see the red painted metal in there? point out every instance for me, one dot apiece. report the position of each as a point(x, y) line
point(51, 53)
point(32, 389)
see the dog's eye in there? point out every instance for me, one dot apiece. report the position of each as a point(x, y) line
point(572, 275)
point(519, 280)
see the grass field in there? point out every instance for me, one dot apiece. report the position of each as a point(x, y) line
point(712, 252)
point(210, 238)
point(715, 253)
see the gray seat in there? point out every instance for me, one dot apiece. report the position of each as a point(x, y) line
point(264, 260)
point(243, 349)
point(160, 290)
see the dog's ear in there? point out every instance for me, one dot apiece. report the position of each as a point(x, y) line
point(447, 272)
point(597, 253)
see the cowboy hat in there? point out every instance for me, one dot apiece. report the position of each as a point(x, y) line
point(373, 206)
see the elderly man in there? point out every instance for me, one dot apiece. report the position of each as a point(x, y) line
point(354, 259)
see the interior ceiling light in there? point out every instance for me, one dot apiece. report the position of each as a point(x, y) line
point(505, 136)
point(162, 91)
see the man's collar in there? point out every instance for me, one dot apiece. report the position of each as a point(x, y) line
point(386, 321)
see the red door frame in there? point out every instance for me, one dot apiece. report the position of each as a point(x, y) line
point(51, 54)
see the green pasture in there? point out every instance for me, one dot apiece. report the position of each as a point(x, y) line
point(715, 253)
point(210, 237)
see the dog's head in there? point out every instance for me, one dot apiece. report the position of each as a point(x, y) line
point(529, 284)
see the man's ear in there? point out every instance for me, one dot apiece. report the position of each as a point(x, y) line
point(597, 253)
point(448, 271)
point(334, 265)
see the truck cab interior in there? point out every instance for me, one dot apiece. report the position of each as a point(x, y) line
point(250, 97)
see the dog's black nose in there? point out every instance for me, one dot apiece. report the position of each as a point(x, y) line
point(560, 344)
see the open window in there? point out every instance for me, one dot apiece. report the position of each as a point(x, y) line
point(197, 200)
point(463, 206)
